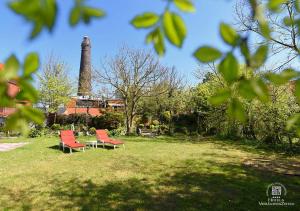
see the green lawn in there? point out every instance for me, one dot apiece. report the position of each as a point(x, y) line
point(150, 174)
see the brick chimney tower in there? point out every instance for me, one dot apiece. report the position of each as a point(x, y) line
point(84, 83)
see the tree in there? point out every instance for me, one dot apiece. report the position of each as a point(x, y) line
point(55, 87)
point(284, 39)
point(169, 25)
point(133, 74)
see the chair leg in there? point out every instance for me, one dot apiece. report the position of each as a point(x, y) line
point(114, 146)
point(71, 150)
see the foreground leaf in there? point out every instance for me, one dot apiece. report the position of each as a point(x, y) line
point(185, 5)
point(145, 20)
point(259, 57)
point(236, 110)
point(174, 28)
point(228, 34)
point(229, 68)
point(220, 97)
point(31, 64)
point(207, 54)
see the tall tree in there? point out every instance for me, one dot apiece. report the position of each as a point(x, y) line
point(133, 74)
point(55, 87)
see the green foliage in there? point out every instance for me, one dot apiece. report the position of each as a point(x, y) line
point(110, 121)
point(155, 122)
point(56, 127)
point(81, 12)
point(41, 13)
point(185, 5)
point(35, 132)
point(55, 86)
point(207, 54)
point(229, 34)
point(167, 25)
point(27, 95)
point(229, 68)
point(174, 28)
point(92, 130)
point(145, 20)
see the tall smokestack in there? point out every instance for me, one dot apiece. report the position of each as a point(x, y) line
point(84, 84)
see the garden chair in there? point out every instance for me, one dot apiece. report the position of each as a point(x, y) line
point(67, 139)
point(103, 138)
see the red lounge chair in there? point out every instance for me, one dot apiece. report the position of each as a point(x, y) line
point(67, 139)
point(103, 138)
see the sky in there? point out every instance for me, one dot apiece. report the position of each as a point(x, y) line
point(109, 34)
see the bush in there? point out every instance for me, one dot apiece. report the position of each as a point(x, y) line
point(110, 121)
point(118, 132)
point(56, 127)
point(166, 117)
point(35, 132)
point(141, 126)
point(92, 131)
point(163, 129)
point(155, 122)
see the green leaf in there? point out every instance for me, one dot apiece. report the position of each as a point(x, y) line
point(50, 11)
point(12, 65)
point(17, 122)
point(288, 21)
point(236, 110)
point(261, 89)
point(174, 28)
point(245, 51)
point(292, 121)
point(297, 5)
point(93, 12)
point(157, 38)
point(229, 68)
point(282, 78)
point(297, 90)
point(229, 35)
point(274, 5)
point(259, 57)
point(220, 97)
point(27, 93)
point(42, 14)
point(207, 54)
point(145, 20)
point(265, 28)
point(32, 114)
point(185, 5)
point(75, 16)
point(246, 90)
point(31, 64)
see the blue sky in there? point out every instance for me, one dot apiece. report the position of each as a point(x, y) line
point(108, 34)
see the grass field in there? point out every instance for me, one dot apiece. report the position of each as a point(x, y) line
point(163, 173)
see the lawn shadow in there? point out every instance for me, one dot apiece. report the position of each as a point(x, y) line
point(66, 151)
point(236, 187)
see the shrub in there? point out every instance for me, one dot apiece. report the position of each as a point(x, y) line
point(110, 121)
point(56, 127)
point(166, 117)
point(118, 132)
point(92, 131)
point(141, 126)
point(35, 132)
point(155, 122)
point(163, 129)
